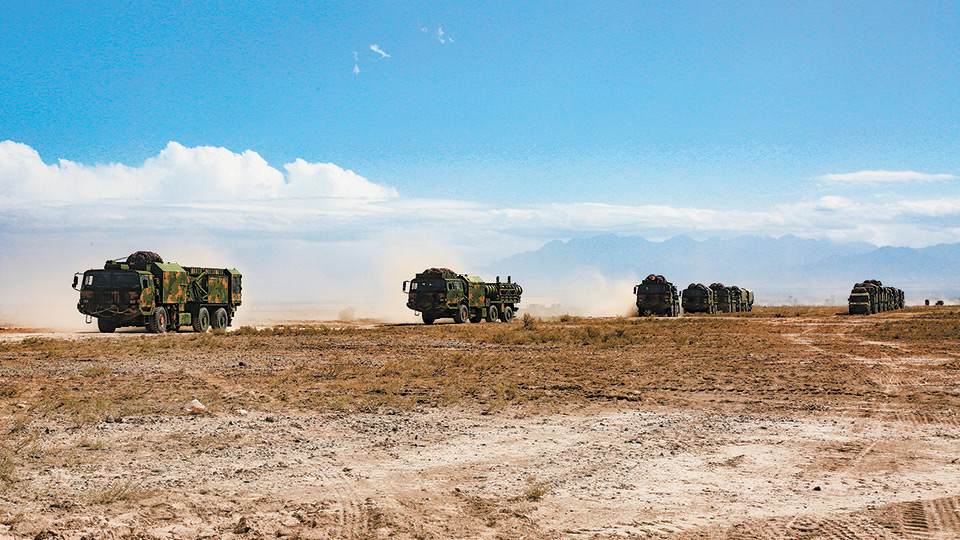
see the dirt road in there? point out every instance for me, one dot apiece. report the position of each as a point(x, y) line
point(779, 424)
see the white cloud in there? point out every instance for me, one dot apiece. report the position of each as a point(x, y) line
point(328, 180)
point(440, 35)
point(880, 176)
point(242, 195)
point(356, 69)
point(376, 48)
point(176, 174)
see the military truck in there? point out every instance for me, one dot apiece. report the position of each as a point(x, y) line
point(145, 291)
point(741, 298)
point(698, 298)
point(870, 296)
point(732, 299)
point(438, 293)
point(657, 296)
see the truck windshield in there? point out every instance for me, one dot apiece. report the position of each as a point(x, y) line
point(102, 279)
point(693, 293)
point(433, 285)
point(126, 280)
point(652, 289)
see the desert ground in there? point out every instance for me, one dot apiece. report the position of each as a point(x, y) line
point(781, 423)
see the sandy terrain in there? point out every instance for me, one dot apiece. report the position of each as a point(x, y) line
point(780, 424)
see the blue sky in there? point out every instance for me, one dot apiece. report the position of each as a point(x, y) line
point(617, 102)
point(477, 128)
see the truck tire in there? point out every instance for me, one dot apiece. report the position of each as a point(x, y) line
point(462, 314)
point(105, 326)
point(158, 321)
point(201, 323)
point(428, 319)
point(476, 317)
point(507, 314)
point(220, 319)
point(493, 314)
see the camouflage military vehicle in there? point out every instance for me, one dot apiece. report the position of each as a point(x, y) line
point(732, 299)
point(657, 296)
point(870, 296)
point(145, 291)
point(698, 298)
point(741, 298)
point(438, 293)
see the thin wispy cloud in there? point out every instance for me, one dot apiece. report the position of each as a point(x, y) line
point(883, 177)
point(356, 69)
point(439, 33)
point(376, 48)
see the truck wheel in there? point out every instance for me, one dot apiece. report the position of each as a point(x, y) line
point(476, 317)
point(462, 314)
point(158, 321)
point(106, 326)
point(220, 319)
point(493, 314)
point(201, 323)
point(428, 319)
point(507, 314)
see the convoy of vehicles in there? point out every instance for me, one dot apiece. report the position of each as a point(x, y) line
point(145, 291)
point(870, 296)
point(438, 293)
point(732, 299)
point(142, 290)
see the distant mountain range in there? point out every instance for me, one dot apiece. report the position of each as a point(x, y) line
point(781, 270)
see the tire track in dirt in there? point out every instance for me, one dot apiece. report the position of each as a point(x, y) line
point(933, 519)
point(348, 509)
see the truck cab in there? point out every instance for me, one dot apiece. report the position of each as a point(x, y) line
point(117, 296)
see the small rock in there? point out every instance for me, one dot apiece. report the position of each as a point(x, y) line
point(816, 488)
point(195, 407)
point(242, 527)
point(242, 412)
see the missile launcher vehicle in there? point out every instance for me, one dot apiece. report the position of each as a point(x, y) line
point(438, 293)
point(657, 296)
point(732, 299)
point(698, 298)
point(870, 296)
point(145, 291)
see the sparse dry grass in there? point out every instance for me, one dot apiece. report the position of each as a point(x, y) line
point(531, 363)
point(121, 490)
point(926, 325)
point(8, 465)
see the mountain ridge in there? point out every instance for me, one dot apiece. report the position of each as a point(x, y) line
point(784, 269)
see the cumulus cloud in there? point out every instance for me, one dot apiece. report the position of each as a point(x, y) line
point(176, 174)
point(881, 176)
point(376, 48)
point(243, 195)
point(328, 180)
